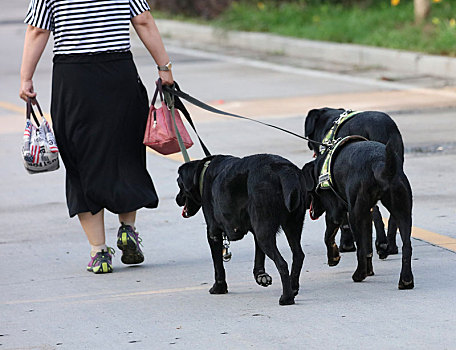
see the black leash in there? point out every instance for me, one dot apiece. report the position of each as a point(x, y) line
point(177, 92)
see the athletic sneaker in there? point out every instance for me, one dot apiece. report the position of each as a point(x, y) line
point(101, 262)
point(128, 241)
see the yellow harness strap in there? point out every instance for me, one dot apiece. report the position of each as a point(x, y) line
point(329, 138)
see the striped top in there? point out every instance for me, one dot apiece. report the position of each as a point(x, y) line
point(86, 26)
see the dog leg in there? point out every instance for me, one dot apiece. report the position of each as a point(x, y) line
point(381, 243)
point(361, 225)
point(259, 273)
point(332, 251)
point(406, 278)
point(267, 242)
point(293, 231)
point(399, 204)
point(216, 245)
point(392, 230)
point(347, 243)
point(370, 254)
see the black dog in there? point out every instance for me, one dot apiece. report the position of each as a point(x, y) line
point(260, 194)
point(375, 126)
point(364, 172)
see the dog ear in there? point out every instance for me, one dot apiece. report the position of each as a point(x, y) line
point(308, 171)
point(187, 174)
point(311, 120)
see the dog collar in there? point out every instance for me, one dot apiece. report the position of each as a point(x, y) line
point(201, 178)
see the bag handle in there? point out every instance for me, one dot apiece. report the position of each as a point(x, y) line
point(30, 110)
point(169, 99)
point(177, 103)
point(158, 89)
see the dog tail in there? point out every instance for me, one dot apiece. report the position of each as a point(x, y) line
point(385, 173)
point(292, 188)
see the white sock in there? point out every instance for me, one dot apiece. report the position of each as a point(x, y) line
point(97, 248)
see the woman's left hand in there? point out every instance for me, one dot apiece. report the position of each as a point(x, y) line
point(166, 77)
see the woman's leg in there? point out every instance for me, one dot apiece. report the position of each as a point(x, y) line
point(93, 226)
point(128, 218)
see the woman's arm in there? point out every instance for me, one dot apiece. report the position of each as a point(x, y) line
point(34, 44)
point(147, 30)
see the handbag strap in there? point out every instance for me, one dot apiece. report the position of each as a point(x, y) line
point(174, 102)
point(30, 111)
point(158, 89)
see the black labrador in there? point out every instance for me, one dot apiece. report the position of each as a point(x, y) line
point(364, 172)
point(258, 193)
point(375, 126)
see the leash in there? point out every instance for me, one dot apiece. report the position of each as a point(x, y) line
point(176, 91)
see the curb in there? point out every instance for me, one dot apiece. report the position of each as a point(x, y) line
point(351, 54)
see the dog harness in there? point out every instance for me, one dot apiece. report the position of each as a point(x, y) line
point(329, 138)
point(325, 180)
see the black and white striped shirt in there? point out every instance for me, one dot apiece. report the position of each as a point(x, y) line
point(86, 26)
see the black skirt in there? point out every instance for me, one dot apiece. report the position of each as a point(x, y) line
point(99, 111)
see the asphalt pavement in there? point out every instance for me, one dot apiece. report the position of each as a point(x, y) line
point(49, 301)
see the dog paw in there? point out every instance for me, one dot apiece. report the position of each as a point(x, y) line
point(295, 287)
point(286, 300)
point(392, 249)
point(219, 288)
point(263, 279)
point(347, 248)
point(359, 276)
point(406, 285)
point(370, 267)
point(333, 261)
point(383, 250)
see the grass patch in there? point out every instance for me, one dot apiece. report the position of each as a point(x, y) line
point(377, 24)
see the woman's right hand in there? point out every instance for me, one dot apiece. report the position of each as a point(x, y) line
point(27, 90)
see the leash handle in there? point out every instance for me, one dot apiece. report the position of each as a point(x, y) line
point(169, 99)
point(176, 91)
point(181, 107)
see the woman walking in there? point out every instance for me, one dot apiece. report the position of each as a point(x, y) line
point(99, 111)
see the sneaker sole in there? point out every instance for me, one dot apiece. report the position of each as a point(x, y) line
point(103, 268)
point(130, 254)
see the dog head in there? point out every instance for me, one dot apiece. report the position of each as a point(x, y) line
point(315, 125)
point(189, 196)
point(313, 202)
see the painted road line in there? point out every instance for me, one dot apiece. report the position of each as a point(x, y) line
point(433, 238)
point(97, 297)
point(12, 107)
point(177, 157)
point(21, 110)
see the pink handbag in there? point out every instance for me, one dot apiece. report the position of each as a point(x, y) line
point(160, 132)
